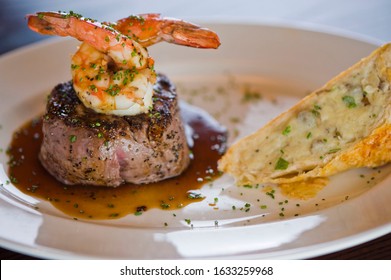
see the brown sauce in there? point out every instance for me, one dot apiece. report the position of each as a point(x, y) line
point(89, 202)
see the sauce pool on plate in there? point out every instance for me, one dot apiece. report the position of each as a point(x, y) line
point(88, 202)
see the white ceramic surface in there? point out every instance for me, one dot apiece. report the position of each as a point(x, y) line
point(275, 66)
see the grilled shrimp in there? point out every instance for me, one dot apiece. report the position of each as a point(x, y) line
point(112, 71)
point(149, 29)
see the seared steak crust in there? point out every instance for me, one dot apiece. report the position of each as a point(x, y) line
point(81, 146)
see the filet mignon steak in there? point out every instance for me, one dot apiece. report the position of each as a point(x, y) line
point(81, 146)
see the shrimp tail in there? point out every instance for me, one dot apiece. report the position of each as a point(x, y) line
point(190, 35)
point(38, 25)
point(74, 25)
point(50, 23)
point(149, 29)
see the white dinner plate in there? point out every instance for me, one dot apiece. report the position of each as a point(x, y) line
point(259, 71)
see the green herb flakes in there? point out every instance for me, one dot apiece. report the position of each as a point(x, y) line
point(271, 193)
point(72, 138)
point(250, 96)
point(164, 205)
point(349, 101)
point(281, 164)
point(287, 130)
point(333, 151)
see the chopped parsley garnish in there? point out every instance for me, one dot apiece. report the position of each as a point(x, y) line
point(140, 19)
point(14, 180)
point(73, 138)
point(332, 151)
point(271, 193)
point(93, 88)
point(164, 205)
point(317, 107)
point(250, 96)
point(316, 110)
point(287, 130)
point(281, 164)
point(113, 90)
point(349, 101)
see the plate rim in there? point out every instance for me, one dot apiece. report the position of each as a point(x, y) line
point(332, 246)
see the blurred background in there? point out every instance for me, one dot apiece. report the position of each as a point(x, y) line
point(365, 18)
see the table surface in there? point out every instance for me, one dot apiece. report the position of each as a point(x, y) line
point(365, 18)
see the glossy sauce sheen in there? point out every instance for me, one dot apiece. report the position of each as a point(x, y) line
point(89, 202)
